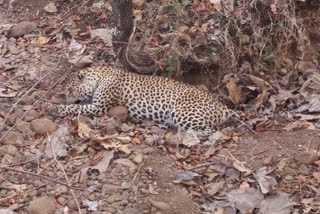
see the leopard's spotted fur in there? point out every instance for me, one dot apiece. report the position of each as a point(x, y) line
point(157, 98)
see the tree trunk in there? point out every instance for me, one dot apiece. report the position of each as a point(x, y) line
point(136, 61)
point(122, 11)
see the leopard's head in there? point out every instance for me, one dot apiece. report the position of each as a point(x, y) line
point(80, 86)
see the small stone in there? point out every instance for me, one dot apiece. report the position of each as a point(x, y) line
point(149, 141)
point(128, 163)
point(61, 200)
point(306, 158)
point(304, 170)
point(160, 205)
point(268, 161)
point(51, 7)
point(132, 211)
point(110, 188)
point(111, 125)
point(43, 126)
point(118, 112)
point(31, 115)
point(8, 149)
point(23, 127)
point(42, 205)
point(114, 198)
point(21, 29)
point(13, 138)
point(138, 158)
point(72, 204)
point(125, 140)
point(38, 183)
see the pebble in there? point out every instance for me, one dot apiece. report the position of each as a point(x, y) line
point(149, 141)
point(125, 140)
point(8, 149)
point(132, 211)
point(304, 170)
point(118, 112)
point(138, 158)
point(13, 138)
point(23, 126)
point(21, 29)
point(72, 204)
point(43, 126)
point(110, 188)
point(306, 157)
point(114, 198)
point(42, 205)
point(31, 115)
point(160, 205)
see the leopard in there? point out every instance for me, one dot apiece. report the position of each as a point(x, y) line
point(94, 90)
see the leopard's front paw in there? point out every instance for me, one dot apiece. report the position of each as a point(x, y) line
point(57, 110)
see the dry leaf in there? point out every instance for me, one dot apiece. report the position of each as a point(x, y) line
point(83, 130)
point(42, 40)
point(273, 8)
point(6, 94)
point(234, 90)
point(51, 8)
point(124, 149)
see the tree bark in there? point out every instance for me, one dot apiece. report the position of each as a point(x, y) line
point(136, 61)
point(122, 11)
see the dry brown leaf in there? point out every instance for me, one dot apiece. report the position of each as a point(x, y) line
point(273, 8)
point(234, 90)
point(259, 82)
point(42, 40)
point(5, 93)
point(83, 130)
point(124, 149)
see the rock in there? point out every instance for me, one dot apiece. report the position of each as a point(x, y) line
point(31, 115)
point(118, 112)
point(51, 7)
point(125, 140)
point(21, 29)
point(304, 170)
point(61, 200)
point(149, 141)
point(12, 118)
point(160, 205)
point(43, 126)
point(13, 138)
point(156, 130)
point(42, 205)
point(72, 204)
point(306, 157)
point(114, 198)
point(128, 163)
point(268, 161)
point(110, 188)
point(132, 211)
point(23, 127)
point(8, 149)
point(111, 125)
point(138, 158)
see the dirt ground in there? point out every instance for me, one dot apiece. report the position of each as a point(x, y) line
point(107, 165)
